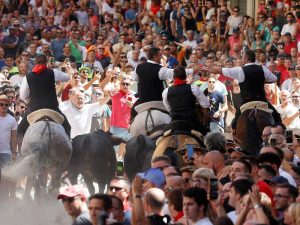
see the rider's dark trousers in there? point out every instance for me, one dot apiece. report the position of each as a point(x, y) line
point(275, 114)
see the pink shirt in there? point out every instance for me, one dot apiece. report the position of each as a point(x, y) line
point(120, 116)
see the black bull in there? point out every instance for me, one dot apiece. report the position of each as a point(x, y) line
point(94, 158)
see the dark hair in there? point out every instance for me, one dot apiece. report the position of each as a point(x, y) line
point(175, 198)
point(269, 157)
point(280, 125)
point(119, 202)
point(152, 52)
point(250, 55)
point(269, 169)
point(41, 59)
point(242, 186)
point(223, 220)
point(246, 164)
point(296, 169)
point(162, 158)
point(107, 203)
point(293, 191)
point(198, 194)
point(179, 72)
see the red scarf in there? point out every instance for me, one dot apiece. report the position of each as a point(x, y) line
point(178, 216)
point(39, 68)
point(178, 81)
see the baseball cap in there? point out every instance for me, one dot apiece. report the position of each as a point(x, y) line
point(71, 192)
point(238, 150)
point(287, 34)
point(279, 180)
point(167, 47)
point(155, 176)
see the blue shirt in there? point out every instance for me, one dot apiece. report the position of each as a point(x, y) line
point(130, 14)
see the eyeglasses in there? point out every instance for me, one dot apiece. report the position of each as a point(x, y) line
point(113, 188)
point(69, 200)
point(123, 61)
point(23, 107)
point(211, 82)
point(295, 96)
point(125, 84)
point(123, 57)
point(164, 39)
point(25, 55)
point(280, 196)
point(5, 105)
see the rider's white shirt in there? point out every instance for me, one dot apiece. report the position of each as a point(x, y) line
point(24, 89)
point(201, 98)
point(80, 119)
point(164, 73)
point(238, 73)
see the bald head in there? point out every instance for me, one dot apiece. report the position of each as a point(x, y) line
point(176, 182)
point(214, 160)
point(155, 199)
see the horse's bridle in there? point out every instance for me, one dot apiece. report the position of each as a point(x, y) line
point(149, 114)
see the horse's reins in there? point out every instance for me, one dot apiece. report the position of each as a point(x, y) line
point(149, 114)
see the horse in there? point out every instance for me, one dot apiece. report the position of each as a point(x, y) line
point(45, 145)
point(151, 120)
point(94, 158)
point(255, 116)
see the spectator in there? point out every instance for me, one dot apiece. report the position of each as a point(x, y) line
point(99, 207)
point(195, 204)
point(74, 201)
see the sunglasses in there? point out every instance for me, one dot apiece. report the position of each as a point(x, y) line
point(211, 82)
point(2, 104)
point(125, 84)
point(25, 55)
point(69, 200)
point(112, 188)
point(124, 61)
point(295, 96)
point(23, 107)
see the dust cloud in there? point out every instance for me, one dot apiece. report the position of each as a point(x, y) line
point(29, 212)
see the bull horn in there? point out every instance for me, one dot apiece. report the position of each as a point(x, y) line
point(159, 140)
point(197, 133)
point(167, 133)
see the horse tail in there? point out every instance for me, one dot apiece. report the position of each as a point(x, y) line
point(253, 143)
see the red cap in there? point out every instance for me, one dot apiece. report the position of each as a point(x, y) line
point(72, 191)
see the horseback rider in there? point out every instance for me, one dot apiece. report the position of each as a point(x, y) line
point(252, 78)
point(38, 89)
point(181, 98)
point(151, 76)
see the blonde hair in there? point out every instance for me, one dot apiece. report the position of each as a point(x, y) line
point(294, 212)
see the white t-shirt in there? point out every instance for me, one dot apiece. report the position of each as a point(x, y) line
point(288, 28)
point(17, 79)
point(204, 221)
point(7, 125)
point(80, 120)
point(233, 216)
point(288, 111)
point(192, 44)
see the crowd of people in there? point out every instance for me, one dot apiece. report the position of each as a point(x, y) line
point(103, 57)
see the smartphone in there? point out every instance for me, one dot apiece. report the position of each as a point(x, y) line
point(120, 168)
point(273, 142)
point(129, 99)
point(289, 136)
point(190, 151)
point(214, 189)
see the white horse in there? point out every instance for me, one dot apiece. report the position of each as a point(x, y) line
point(151, 119)
point(45, 146)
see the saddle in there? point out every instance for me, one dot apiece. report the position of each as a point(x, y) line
point(263, 106)
point(42, 114)
point(153, 105)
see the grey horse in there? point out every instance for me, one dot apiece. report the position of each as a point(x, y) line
point(45, 146)
point(151, 120)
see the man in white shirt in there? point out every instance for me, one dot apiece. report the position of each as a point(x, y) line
point(191, 42)
point(8, 141)
point(80, 114)
point(195, 205)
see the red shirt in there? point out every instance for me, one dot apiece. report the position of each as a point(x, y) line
point(231, 41)
point(283, 71)
point(121, 112)
point(288, 46)
point(65, 93)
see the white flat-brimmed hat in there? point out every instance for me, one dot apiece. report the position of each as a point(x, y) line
point(39, 114)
